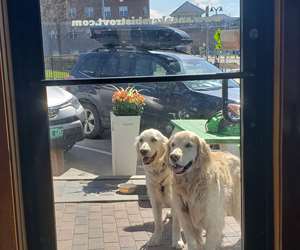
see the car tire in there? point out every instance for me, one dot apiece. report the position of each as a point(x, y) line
point(68, 147)
point(92, 126)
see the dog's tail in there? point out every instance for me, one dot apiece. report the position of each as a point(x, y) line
point(235, 194)
point(236, 197)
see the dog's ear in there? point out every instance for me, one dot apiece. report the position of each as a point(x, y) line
point(203, 152)
point(168, 147)
point(164, 148)
point(169, 144)
point(136, 145)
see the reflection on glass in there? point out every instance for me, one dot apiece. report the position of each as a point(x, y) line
point(139, 31)
point(108, 38)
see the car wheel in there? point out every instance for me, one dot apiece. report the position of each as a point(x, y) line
point(92, 125)
point(68, 147)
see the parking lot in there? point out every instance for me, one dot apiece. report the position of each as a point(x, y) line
point(90, 158)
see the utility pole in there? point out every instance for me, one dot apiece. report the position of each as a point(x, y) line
point(102, 7)
point(207, 32)
point(207, 40)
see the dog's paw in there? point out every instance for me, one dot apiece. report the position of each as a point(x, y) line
point(178, 244)
point(155, 240)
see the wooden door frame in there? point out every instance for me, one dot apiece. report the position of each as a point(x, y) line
point(11, 209)
point(286, 127)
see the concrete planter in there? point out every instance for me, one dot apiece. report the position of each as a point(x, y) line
point(124, 130)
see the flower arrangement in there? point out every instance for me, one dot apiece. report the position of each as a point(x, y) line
point(128, 102)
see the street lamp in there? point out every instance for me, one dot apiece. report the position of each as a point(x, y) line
point(216, 9)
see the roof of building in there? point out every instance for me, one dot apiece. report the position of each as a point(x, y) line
point(187, 9)
point(221, 17)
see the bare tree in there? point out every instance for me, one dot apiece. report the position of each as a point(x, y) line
point(54, 12)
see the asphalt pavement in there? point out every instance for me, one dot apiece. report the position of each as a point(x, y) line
point(89, 159)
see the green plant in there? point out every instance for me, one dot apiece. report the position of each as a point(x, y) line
point(127, 102)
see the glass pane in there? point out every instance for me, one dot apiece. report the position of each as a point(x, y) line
point(100, 160)
point(139, 38)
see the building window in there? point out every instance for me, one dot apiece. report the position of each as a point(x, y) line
point(146, 11)
point(123, 11)
point(72, 12)
point(88, 33)
point(107, 12)
point(73, 34)
point(53, 35)
point(88, 11)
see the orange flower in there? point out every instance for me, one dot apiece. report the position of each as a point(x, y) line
point(128, 95)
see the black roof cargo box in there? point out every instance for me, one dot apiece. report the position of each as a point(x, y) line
point(143, 36)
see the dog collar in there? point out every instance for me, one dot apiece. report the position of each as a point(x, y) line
point(186, 167)
point(162, 187)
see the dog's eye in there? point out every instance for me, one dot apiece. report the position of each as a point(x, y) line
point(188, 145)
point(153, 139)
point(141, 140)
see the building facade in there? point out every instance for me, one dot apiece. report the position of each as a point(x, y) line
point(107, 9)
point(60, 38)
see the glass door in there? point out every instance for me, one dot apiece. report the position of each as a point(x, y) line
point(123, 101)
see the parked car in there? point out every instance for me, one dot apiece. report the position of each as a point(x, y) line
point(66, 118)
point(164, 101)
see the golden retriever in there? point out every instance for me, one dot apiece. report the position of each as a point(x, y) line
point(206, 188)
point(151, 147)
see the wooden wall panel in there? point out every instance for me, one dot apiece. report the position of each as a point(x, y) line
point(12, 236)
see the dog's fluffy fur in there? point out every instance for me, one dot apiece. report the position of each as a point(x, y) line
point(206, 188)
point(151, 147)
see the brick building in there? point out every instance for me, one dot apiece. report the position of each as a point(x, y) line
point(61, 38)
point(107, 9)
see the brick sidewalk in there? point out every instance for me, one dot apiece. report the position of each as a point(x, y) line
point(121, 225)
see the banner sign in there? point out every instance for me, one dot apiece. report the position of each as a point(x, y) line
point(139, 21)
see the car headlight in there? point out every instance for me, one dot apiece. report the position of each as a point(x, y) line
point(73, 102)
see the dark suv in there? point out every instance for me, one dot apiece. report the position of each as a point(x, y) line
point(164, 101)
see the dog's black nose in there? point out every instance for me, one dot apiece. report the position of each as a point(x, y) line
point(143, 151)
point(174, 157)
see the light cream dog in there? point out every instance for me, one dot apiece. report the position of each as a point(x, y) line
point(206, 188)
point(152, 151)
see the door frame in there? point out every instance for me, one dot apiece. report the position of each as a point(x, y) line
point(11, 209)
point(286, 133)
point(257, 115)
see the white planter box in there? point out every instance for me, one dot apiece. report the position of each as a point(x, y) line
point(124, 130)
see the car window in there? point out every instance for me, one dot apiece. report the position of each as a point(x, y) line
point(89, 66)
point(167, 64)
point(158, 69)
point(199, 66)
point(126, 61)
point(118, 63)
point(149, 65)
point(143, 65)
point(110, 67)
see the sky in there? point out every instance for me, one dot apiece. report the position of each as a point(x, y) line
point(159, 8)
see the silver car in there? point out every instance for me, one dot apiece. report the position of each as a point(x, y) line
point(66, 118)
